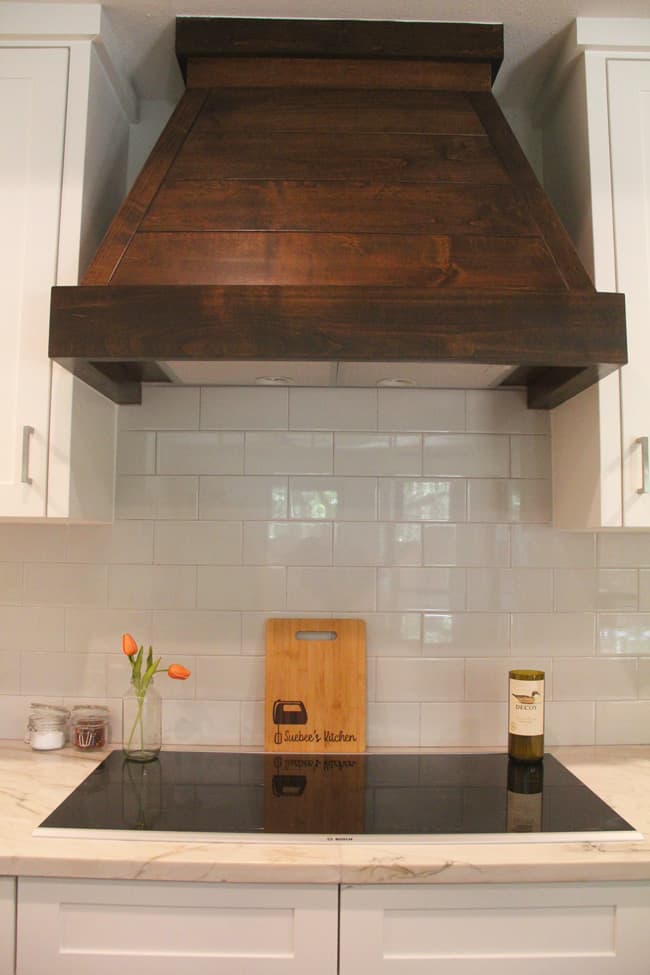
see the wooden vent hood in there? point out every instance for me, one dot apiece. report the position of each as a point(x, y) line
point(337, 193)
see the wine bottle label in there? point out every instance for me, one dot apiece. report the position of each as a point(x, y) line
point(526, 707)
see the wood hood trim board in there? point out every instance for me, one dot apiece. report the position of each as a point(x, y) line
point(337, 191)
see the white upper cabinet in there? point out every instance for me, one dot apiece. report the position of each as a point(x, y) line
point(63, 153)
point(597, 171)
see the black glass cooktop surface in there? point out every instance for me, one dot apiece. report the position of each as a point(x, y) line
point(367, 796)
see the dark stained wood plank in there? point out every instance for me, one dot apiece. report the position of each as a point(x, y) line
point(326, 155)
point(346, 324)
point(131, 212)
point(293, 258)
point(523, 178)
point(547, 388)
point(248, 37)
point(338, 110)
point(319, 73)
point(354, 206)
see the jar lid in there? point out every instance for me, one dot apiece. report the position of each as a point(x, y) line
point(83, 711)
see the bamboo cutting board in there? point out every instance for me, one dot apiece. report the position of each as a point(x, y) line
point(315, 698)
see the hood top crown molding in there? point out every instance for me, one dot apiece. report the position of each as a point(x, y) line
point(337, 191)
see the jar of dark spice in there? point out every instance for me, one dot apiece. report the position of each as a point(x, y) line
point(89, 725)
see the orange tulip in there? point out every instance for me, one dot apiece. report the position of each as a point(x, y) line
point(178, 672)
point(129, 646)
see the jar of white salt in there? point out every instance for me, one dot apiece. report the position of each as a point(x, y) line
point(47, 726)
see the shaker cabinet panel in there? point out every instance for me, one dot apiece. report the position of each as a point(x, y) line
point(33, 89)
point(470, 930)
point(85, 927)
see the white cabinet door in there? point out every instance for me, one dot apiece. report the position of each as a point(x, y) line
point(86, 927)
point(629, 111)
point(564, 929)
point(7, 925)
point(33, 87)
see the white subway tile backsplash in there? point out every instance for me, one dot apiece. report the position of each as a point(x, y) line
point(230, 678)
point(594, 679)
point(156, 497)
point(200, 452)
point(465, 634)
point(420, 589)
point(503, 411)
point(419, 680)
point(162, 408)
point(31, 628)
point(244, 408)
point(332, 409)
point(624, 633)
point(136, 452)
point(393, 725)
point(466, 455)
point(289, 453)
point(424, 512)
point(557, 634)
point(236, 587)
point(100, 629)
point(570, 723)
point(214, 722)
point(32, 543)
point(478, 545)
point(333, 498)
point(417, 410)
point(152, 586)
point(235, 498)
point(420, 499)
point(467, 724)
point(623, 550)
point(622, 722)
point(49, 584)
point(595, 589)
point(287, 543)
point(196, 631)
point(198, 543)
point(539, 545)
point(510, 590)
point(11, 582)
point(530, 456)
point(377, 453)
point(514, 501)
point(340, 589)
point(123, 541)
point(9, 672)
point(372, 543)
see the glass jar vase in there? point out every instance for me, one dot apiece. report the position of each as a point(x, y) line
point(141, 723)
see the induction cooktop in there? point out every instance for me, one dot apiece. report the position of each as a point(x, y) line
point(210, 796)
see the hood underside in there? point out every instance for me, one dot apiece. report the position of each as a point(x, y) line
point(337, 202)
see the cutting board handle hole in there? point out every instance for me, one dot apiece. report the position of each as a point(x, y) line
point(316, 635)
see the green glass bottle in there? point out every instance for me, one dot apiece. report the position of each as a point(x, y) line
point(526, 715)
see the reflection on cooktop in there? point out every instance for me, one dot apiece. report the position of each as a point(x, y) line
point(334, 795)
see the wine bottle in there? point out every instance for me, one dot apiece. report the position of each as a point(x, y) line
point(526, 715)
point(524, 797)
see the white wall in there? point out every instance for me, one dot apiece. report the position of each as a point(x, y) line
point(424, 512)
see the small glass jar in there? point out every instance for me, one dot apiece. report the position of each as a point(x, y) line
point(89, 726)
point(47, 726)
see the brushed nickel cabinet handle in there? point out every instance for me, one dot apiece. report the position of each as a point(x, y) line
point(24, 469)
point(645, 463)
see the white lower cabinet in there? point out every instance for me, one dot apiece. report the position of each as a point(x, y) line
point(90, 927)
point(7, 925)
point(580, 929)
point(104, 927)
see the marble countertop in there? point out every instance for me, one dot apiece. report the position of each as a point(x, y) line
point(33, 783)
